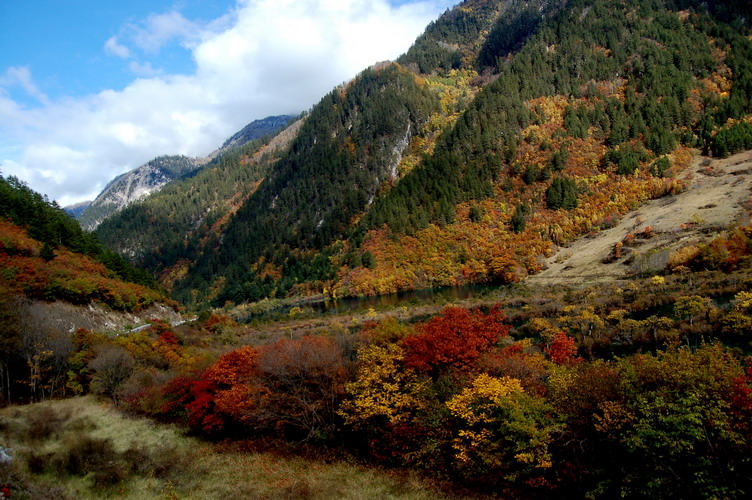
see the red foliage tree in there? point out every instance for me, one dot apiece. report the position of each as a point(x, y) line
point(454, 339)
point(741, 402)
point(563, 349)
point(163, 330)
point(193, 397)
point(233, 367)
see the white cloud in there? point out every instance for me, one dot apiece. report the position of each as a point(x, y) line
point(21, 76)
point(113, 47)
point(144, 69)
point(159, 29)
point(265, 57)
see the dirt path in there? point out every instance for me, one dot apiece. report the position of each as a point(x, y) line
point(718, 195)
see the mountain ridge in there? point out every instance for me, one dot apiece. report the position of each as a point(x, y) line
point(151, 177)
point(508, 130)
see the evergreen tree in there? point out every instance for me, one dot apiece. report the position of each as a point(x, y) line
point(562, 193)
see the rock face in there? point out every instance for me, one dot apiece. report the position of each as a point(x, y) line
point(77, 209)
point(135, 185)
point(257, 129)
point(151, 177)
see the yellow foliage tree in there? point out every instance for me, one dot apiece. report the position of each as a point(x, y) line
point(383, 389)
point(501, 430)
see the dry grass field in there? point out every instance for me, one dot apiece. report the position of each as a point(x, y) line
point(81, 448)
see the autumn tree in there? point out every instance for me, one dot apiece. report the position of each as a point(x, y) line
point(453, 339)
point(500, 431)
point(238, 389)
point(562, 350)
point(10, 340)
point(673, 425)
point(111, 367)
point(738, 321)
point(692, 308)
point(306, 381)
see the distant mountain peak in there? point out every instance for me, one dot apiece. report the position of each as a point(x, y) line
point(135, 185)
point(77, 209)
point(152, 176)
point(254, 130)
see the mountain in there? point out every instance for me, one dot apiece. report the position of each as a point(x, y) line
point(168, 230)
point(134, 185)
point(154, 175)
point(257, 129)
point(77, 209)
point(508, 130)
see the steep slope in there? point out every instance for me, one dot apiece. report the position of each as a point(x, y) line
point(154, 175)
point(582, 104)
point(135, 185)
point(574, 127)
point(167, 231)
point(350, 145)
point(257, 129)
point(45, 255)
point(650, 238)
point(507, 130)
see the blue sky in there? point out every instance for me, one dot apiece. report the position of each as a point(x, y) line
point(89, 90)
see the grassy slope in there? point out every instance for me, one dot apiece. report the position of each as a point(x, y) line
point(717, 196)
point(173, 465)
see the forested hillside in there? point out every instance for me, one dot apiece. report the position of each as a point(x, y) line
point(508, 130)
point(350, 145)
point(36, 232)
point(134, 185)
point(46, 257)
point(169, 230)
point(592, 116)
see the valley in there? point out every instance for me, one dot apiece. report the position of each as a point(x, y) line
point(516, 262)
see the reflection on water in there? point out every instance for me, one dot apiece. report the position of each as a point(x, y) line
point(430, 295)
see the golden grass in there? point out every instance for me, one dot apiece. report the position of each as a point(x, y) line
point(180, 466)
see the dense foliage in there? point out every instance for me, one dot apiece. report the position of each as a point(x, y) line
point(526, 125)
point(349, 145)
point(634, 388)
point(451, 41)
point(49, 225)
point(583, 399)
point(45, 256)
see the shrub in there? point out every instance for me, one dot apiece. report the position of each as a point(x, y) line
point(86, 454)
point(112, 366)
point(44, 423)
point(455, 339)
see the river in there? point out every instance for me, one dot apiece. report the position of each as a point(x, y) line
point(413, 297)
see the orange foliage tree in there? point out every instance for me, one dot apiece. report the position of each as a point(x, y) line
point(454, 339)
point(562, 350)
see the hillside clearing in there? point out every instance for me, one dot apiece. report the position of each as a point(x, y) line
point(717, 196)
